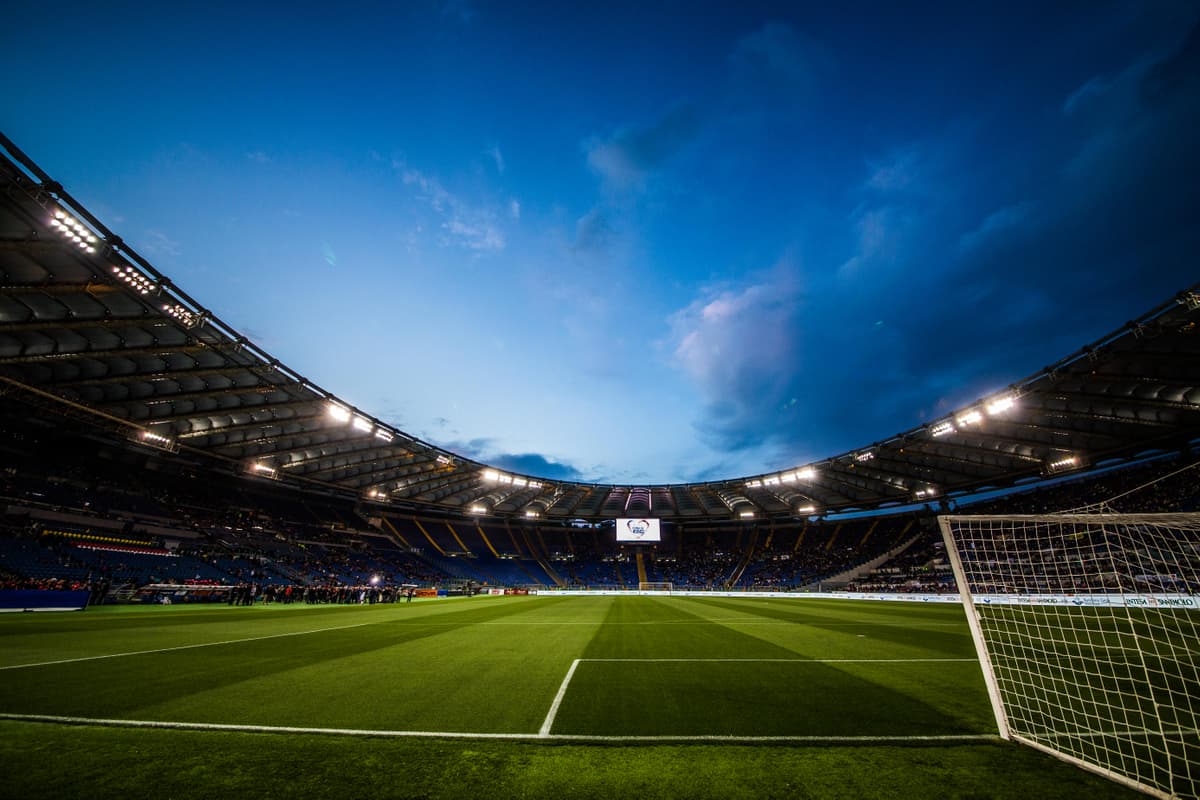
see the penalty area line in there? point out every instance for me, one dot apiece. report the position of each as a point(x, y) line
point(558, 698)
point(366, 733)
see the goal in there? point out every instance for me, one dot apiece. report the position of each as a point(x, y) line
point(655, 586)
point(1088, 630)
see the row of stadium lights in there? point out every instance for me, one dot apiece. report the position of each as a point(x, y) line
point(995, 407)
point(338, 413)
point(972, 416)
point(74, 231)
point(78, 234)
point(504, 479)
point(342, 414)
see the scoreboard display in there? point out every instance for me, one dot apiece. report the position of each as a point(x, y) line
point(634, 529)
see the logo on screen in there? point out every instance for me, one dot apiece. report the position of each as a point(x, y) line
point(638, 528)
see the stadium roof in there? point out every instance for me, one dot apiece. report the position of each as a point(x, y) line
point(90, 328)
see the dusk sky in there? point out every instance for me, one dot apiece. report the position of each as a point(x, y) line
point(644, 242)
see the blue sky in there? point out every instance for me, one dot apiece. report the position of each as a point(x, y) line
point(635, 244)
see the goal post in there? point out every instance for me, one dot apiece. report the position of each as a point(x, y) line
point(1087, 629)
point(655, 586)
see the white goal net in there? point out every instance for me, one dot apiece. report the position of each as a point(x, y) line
point(655, 586)
point(1088, 631)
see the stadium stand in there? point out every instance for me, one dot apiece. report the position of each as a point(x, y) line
point(73, 527)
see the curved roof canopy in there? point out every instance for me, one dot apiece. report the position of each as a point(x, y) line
point(89, 327)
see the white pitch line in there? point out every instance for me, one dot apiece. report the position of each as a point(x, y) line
point(186, 646)
point(749, 621)
point(791, 661)
point(558, 698)
point(529, 737)
point(217, 726)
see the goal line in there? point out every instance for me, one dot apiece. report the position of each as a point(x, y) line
point(367, 733)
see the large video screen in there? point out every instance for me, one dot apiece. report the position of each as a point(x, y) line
point(638, 530)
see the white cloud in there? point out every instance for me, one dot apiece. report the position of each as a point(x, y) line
point(497, 158)
point(738, 345)
point(878, 232)
point(480, 235)
point(157, 243)
point(465, 225)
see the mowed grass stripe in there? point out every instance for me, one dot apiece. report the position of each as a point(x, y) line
point(821, 628)
point(402, 675)
point(719, 679)
point(186, 646)
point(36, 638)
point(758, 698)
point(494, 666)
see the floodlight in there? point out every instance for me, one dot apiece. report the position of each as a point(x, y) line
point(772, 481)
point(1001, 404)
point(753, 484)
point(865, 455)
point(155, 440)
point(187, 318)
point(806, 474)
point(73, 230)
point(362, 424)
point(491, 475)
point(530, 513)
point(520, 482)
point(746, 514)
point(1067, 462)
point(477, 509)
point(384, 435)
point(339, 413)
point(942, 428)
point(259, 468)
point(809, 509)
point(535, 485)
point(969, 418)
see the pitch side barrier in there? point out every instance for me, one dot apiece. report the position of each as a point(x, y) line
point(1181, 601)
point(43, 600)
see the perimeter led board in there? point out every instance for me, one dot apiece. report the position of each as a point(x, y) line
point(638, 530)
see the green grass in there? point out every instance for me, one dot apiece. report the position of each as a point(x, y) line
point(822, 676)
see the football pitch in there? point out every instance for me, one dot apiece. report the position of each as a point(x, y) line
point(511, 696)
